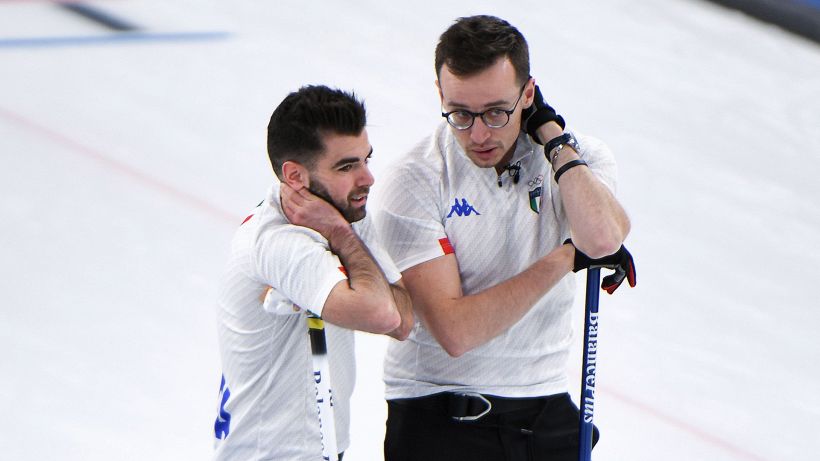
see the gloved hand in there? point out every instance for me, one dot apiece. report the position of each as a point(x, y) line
point(621, 261)
point(538, 114)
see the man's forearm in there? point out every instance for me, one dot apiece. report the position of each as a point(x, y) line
point(363, 273)
point(363, 301)
point(461, 323)
point(405, 308)
point(506, 303)
point(598, 222)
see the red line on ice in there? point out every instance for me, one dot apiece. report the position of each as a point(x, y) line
point(120, 167)
point(684, 426)
point(215, 211)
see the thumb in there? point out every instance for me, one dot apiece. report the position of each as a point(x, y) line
point(613, 281)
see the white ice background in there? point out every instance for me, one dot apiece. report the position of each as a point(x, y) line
point(127, 166)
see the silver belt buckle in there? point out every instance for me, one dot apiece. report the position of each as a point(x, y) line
point(478, 416)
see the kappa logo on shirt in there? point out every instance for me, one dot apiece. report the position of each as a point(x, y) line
point(462, 209)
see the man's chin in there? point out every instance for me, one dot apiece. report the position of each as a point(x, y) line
point(484, 163)
point(485, 160)
point(355, 215)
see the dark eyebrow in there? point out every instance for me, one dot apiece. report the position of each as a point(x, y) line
point(348, 160)
point(490, 105)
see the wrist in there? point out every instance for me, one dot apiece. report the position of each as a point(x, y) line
point(558, 143)
point(566, 167)
point(547, 131)
point(337, 234)
point(578, 260)
point(569, 256)
point(563, 155)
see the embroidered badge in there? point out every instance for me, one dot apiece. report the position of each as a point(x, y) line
point(534, 200)
point(535, 192)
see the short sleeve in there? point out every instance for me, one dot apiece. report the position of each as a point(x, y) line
point(600, 160)
point(409, 219)
point(297, 263)
point(368, 234)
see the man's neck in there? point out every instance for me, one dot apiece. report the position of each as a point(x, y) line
point(501, 166)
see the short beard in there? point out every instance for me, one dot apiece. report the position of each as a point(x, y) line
point(351, 215)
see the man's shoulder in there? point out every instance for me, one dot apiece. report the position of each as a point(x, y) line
point(266, 226)
point(426, 153)
point(276, 229)
point(425, 161)
point(591, 145)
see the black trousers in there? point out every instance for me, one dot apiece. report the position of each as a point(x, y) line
point(532, 429)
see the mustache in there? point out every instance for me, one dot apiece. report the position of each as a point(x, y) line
point(365, 190)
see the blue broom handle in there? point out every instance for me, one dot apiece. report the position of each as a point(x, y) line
point(589, 364)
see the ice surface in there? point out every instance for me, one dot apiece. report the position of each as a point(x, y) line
point(127, 166)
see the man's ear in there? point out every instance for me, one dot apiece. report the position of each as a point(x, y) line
point(295, 175)
point(529, 93)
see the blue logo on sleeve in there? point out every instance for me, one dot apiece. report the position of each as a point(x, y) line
point(223, 420)
point(462, 209)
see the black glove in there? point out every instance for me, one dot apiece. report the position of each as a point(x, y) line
point(538, 114)
point(621, 261)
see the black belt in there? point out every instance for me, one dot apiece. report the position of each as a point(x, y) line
point(470, 406)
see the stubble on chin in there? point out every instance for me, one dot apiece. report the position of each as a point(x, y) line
point(350, 214)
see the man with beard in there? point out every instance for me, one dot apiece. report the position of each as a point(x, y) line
point(309, 248)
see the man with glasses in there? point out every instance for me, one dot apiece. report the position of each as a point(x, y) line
point(478, 218)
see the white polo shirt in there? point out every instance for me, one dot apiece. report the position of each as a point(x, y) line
point(437, 201)
point(267, 403)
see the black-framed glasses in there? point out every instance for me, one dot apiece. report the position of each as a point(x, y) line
point(496, 117)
